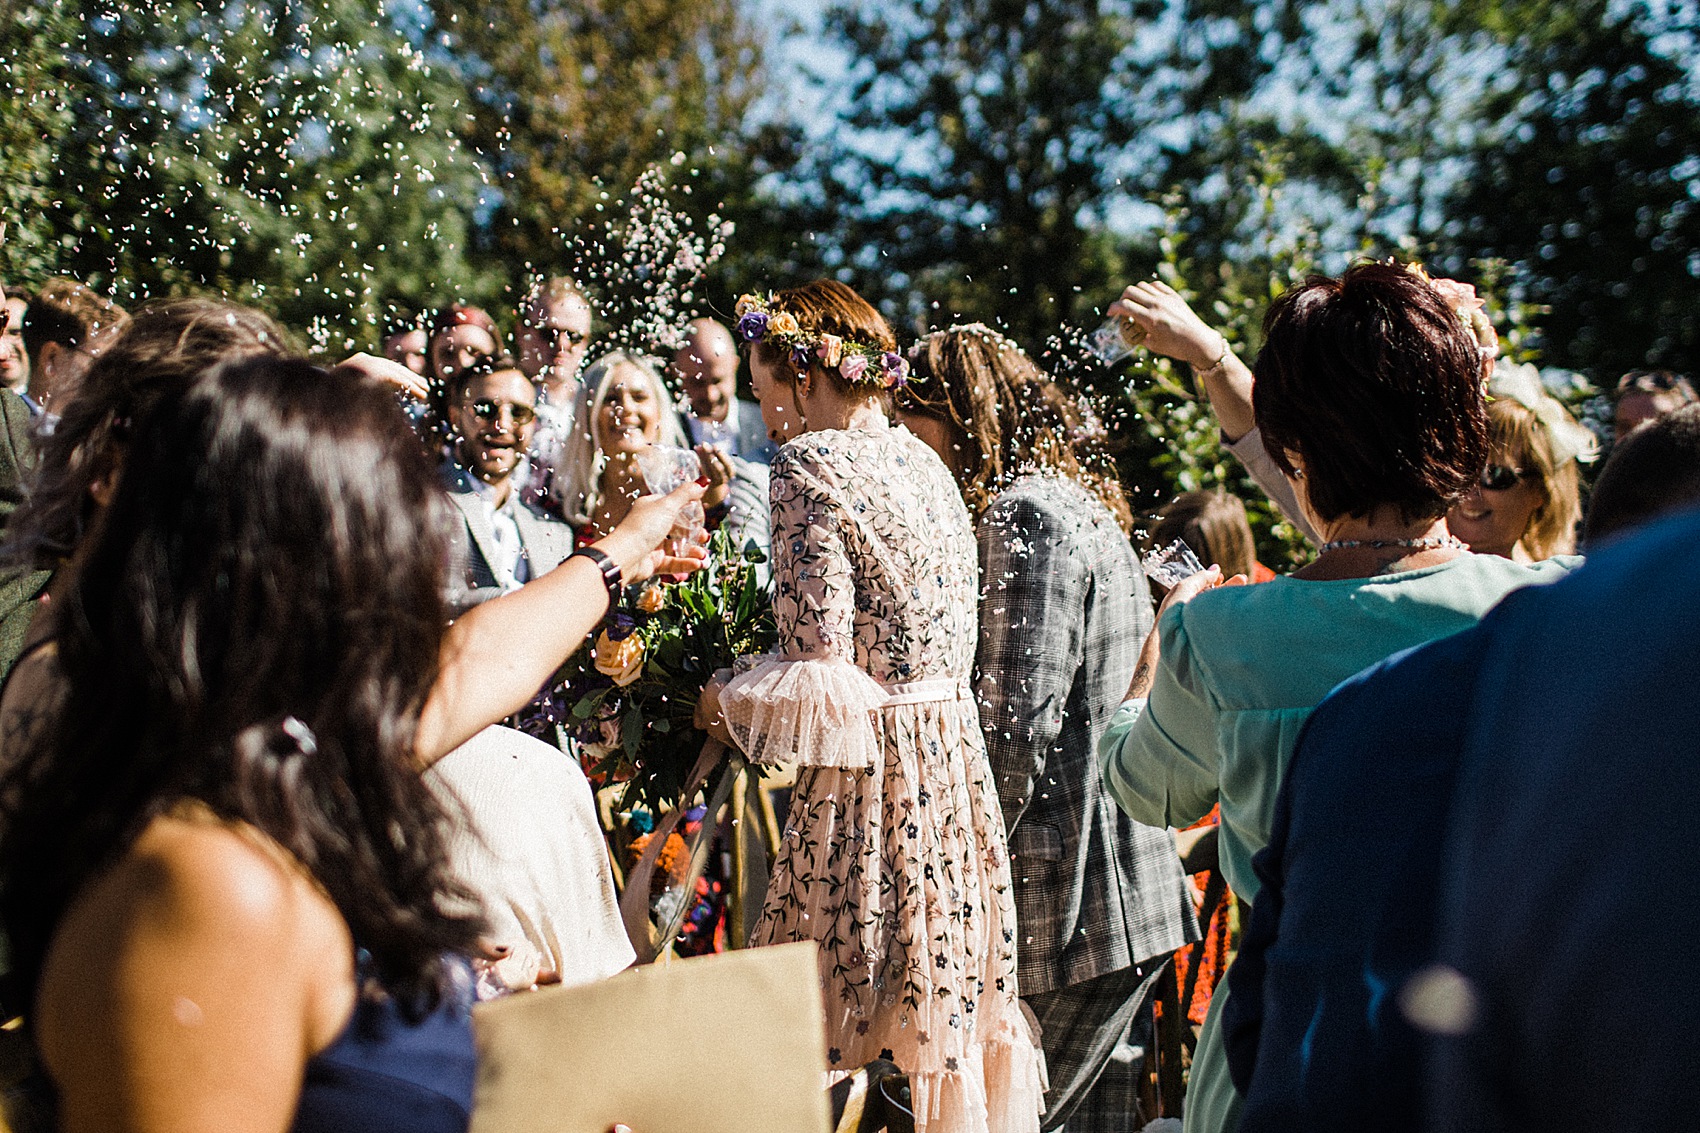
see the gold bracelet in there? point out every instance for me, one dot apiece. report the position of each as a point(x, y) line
point(1221, 359)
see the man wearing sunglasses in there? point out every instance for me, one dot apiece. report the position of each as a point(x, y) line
point(553, 338)
point(503, 540)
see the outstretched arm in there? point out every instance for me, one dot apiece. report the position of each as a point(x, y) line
point(1174, 330)
point(499, 654)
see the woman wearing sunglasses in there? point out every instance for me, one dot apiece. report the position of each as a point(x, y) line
point(1528, 502)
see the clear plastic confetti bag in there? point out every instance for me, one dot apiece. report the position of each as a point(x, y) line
point(1168, 565)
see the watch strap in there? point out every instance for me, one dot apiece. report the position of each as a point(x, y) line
point(609, 568)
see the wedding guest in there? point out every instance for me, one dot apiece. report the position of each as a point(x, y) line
point(1214, 526)
point(14, 359)
point(1100, 900)
point(1651, 472)
point(503, 542)
point(461, 334)
point(1174, 330)
point(624, 411)
point(66, 326)
point(163, 342)
point(1368, 398)
point(894, 859)
point(17, 458)
point(627, 410)
point(707, 366)
point(1644, 395)
point(554, 337)
point(527, 842)
point(1536, 949)
point(407, 344)
point(242, 919)
point(19, 586)
point(1528, 500)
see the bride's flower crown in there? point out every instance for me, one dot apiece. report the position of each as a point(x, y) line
point(857, 363)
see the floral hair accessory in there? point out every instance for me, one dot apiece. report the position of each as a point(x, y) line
point(1522, 383)
point(856, 362)
point(1467, 305)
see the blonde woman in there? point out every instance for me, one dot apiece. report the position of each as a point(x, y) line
point(625, 410)
point(1527, 503)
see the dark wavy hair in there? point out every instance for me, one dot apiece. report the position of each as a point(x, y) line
point(166, 342)
point(255, 625)
point(1006, 417)
point(1376, 384)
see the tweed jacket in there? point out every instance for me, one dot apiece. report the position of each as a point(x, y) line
point(1063, 611)
point(547, 542)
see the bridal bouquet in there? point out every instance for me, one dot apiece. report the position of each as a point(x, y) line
point(629, 695)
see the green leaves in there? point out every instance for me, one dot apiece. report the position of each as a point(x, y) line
point(703, 623)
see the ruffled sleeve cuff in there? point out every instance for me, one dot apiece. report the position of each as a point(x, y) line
point(817, 713)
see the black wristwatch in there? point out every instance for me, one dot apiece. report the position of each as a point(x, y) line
point(609, 568)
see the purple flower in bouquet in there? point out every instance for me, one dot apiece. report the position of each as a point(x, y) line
point(752, 326)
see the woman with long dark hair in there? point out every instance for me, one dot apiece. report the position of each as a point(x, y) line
point(225, 882)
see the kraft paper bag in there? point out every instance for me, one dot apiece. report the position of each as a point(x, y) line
point(734, 1043)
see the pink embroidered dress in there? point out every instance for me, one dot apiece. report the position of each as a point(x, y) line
point(894, 858)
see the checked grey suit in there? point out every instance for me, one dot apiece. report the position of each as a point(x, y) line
point(547, 542)
point(1100, 900)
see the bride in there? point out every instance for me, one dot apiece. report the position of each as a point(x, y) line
point(894, 857)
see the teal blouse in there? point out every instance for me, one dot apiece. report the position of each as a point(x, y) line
point(1240, 671)
point(1243, 666)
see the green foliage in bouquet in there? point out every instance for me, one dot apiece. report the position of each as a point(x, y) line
point(629, 695)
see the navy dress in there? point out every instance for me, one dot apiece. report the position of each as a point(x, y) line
point(386, 1074)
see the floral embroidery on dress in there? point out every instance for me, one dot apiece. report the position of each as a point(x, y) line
point(895, 864)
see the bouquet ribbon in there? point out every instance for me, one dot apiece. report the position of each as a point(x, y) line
point(634, 902)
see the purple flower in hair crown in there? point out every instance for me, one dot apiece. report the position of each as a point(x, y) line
point(858, 363)
point(752, 326)
point(894, 369)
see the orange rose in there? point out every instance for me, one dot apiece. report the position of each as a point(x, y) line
point(621, 660)
point(650, 600)
point(745, 304)
point(784, 323)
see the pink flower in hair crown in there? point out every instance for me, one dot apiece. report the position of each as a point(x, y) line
point(859, 363)
point(1470, 308)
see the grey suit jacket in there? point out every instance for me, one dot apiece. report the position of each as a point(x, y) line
point(753, 442)
point(1063, 611)
point(547, 542)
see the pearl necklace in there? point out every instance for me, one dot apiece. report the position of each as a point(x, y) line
point(1432, 542)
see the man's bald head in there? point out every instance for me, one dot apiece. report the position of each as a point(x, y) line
point(707, 366)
